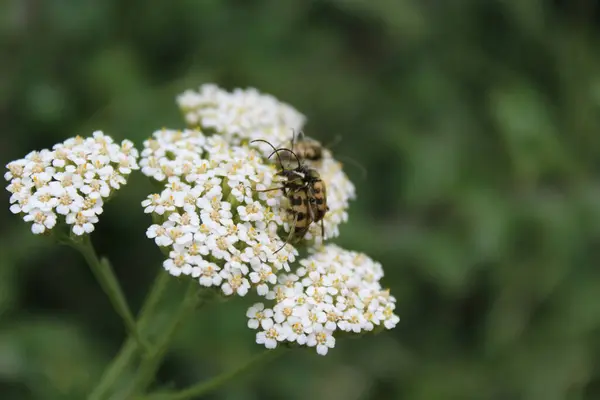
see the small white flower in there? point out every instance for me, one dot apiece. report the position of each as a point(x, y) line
point(153, 202)
point(19, 187)
point(82, 221)
point(234, 283)
point(189, 221)
point(115, 180)
point(251, 212)
point(78, 155)
point(222, 246)
point(69, 178)
point(24, 204)
point(160, 234)
point(259, 317)
point(390, 319)
point(177, 264)
point(240, 190)
point(353, 320)
point(68, 200)
point(284, 310)
point(166, 203)
point(270, 337)
point(15, 170)
point(323, 340)
point(43, 200)
point(262, 277)
point(209, 274)
point(42, 220)
point(333, 315)
point(93, 205)
point(314, 320)
point(96, 188)
point(215, 212)
point(296, 331)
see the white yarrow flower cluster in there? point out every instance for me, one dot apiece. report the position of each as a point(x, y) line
point(242, 114)
point(334, 291)
point(210, 219)
point(69, 183)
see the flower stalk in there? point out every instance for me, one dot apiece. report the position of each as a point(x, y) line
point(104, 273)
point(149, 365)
point(129, 349)
point(204, 388)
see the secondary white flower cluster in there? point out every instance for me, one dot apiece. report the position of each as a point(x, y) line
point(69, 183)
point(211, 219)
point(334, 291)
point(243, 114)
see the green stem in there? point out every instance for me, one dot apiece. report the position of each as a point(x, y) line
point(150, 365)
point(204, 388)
point(109, 283)
point(129, 348)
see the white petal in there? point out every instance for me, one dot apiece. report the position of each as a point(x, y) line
point(322, 349)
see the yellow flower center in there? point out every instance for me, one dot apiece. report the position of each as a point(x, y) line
point(321, 337)
point(40, 217)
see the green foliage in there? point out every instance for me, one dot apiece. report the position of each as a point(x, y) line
point(477, 122)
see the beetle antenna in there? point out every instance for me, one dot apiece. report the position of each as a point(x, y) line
point(274, 152)
point(334, 142)
point(358, 165)
point(293, 137)
point(289, 151)
point(301, 133)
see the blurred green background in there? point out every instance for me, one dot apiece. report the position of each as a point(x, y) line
point(478, 123)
